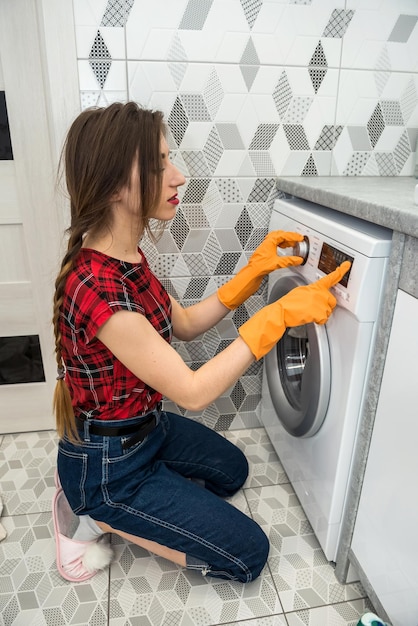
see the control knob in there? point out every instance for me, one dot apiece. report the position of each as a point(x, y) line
point(301, 248)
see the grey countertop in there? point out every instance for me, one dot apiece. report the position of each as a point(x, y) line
point(388, 201)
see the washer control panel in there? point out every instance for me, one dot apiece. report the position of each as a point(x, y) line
point(331, 239)
point(330, 258)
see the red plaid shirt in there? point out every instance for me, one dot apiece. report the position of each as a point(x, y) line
point(101, 386)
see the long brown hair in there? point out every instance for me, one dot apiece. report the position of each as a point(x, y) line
point(97, 160)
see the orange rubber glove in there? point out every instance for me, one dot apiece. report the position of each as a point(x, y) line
point(263, 261)
point(302, 305)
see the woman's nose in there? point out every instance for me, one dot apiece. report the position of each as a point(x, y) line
point(177, 177)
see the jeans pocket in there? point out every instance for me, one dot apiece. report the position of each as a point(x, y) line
point(72, 470)
point(132, 443)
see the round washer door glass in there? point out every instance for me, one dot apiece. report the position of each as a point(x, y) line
point(298, 371)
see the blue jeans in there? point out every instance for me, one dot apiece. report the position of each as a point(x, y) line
point(144, 490)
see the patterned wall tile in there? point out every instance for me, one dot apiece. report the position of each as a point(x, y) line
point(100, 59)
point(375, 125)
point(328, 137)
point(297, 110)
point(195, 14)
point(116, 12)
point(403, 28)
point(403, 151)
point(282, 94)
point(375, 120)
point(251, 10)
point(338, 23)
point(249, 74)
point(374, 28)
point(252, 89)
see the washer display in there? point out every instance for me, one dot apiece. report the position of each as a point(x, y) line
point(315, 377)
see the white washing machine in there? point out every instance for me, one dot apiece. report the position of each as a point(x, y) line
point(315, 377)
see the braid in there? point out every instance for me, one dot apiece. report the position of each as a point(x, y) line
point(62, 405)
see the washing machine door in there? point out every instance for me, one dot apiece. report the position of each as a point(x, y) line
point(298, 370)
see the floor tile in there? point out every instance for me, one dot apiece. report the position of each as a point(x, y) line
point(265, 467)
point(302, 575)
point(297, 586)
point(274, 620)
point(151, 591)
point(31, 589)
point(27, 466)
point(344, 614)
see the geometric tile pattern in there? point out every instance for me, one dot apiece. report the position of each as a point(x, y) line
point(282, 94)
point(403, 28)
point(252, 89)
point(27, 463)
point(392, 114)
point(249, 64)
point(375, 125)
point(265, 467)
point(310, 168)
point(382, 70)
point(317, 74)
point(297, 585)
point(385, 163)
point(195, 14)
point(251, 10)
point(328, 137)
point(304, 578)
point(116, 12)
point(338, 23)
point(99, 59)
point(296, 136)
point(357, 163)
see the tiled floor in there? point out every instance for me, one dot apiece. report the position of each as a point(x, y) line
point(297, 587)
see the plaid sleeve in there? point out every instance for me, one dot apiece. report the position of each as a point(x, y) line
point(88, 309)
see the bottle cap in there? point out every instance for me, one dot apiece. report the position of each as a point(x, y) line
point(370, 619)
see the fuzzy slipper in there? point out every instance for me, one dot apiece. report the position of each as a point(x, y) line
point(77, 561)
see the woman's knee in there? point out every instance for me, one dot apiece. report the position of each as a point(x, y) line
point(255, 555)
point(241, 468)
point(250, 559)
point(237, 466)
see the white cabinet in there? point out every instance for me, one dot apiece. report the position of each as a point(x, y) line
point(385, 540)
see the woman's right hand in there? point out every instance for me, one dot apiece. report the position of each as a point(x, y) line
point(314, 302)
point(302, 305)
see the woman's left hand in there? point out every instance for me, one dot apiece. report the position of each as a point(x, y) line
point(263, 261)
point(265, 258)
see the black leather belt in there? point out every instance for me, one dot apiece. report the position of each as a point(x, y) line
point(142, 428)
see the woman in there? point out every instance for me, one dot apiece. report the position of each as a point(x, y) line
point(125, 465)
